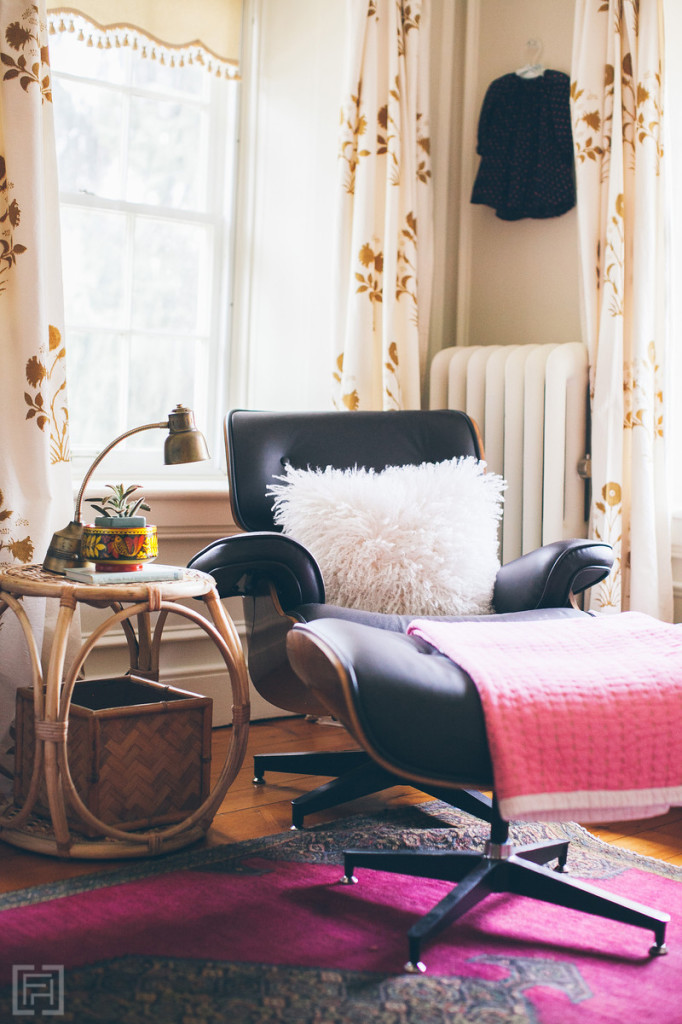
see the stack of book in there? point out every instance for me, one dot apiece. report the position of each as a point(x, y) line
point(148, 574)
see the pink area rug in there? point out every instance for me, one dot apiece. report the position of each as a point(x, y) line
point(263, 932)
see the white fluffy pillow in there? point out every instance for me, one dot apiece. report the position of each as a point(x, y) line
point(411, 540)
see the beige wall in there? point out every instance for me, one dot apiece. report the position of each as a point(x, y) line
point(518, 280)
point(448, 92)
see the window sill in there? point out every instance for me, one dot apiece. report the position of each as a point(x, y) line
point(156, 487)
point(165, 486)
point(189, 505)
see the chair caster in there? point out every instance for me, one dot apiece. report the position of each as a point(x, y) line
point(349, 880)
point(414, 968)
point(258, 780)
point(657, 950)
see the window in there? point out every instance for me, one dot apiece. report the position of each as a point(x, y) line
point(146, 154)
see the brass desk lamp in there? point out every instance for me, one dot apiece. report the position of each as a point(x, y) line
point(185, 443)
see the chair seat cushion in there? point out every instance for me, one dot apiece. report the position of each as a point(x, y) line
point(400, 623)
point(419, 540)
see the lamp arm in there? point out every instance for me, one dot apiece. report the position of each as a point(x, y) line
point(105, 451)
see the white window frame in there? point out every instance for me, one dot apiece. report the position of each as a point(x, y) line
point(223, 111)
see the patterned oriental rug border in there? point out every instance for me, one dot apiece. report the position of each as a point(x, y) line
point(260, 932)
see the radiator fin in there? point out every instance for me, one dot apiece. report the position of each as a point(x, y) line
point(530, 404)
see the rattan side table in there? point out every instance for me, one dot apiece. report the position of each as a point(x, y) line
point(52, 699)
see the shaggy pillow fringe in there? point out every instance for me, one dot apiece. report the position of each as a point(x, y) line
point(410, 540)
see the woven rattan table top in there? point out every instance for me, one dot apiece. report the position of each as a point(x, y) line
point(33, 580)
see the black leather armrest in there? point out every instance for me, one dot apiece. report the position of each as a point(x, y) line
point(547, 577)
point(247, 563)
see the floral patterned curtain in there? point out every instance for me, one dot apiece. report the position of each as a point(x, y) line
point(384, 254)
point(35, 481)
point(616, 96)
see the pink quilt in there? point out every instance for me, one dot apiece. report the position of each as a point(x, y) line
point(584, 715)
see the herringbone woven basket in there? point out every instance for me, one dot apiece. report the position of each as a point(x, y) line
point(139, 752)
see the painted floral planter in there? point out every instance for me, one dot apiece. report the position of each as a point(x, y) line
point(119, 544)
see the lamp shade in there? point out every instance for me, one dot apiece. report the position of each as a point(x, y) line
point(185, 443)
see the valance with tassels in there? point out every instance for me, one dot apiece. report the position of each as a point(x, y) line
point(173, 32)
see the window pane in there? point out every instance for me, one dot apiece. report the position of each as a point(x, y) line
point(143, 173)
point(172, 171)
point(68, 54)
point(170, 280)
point(190, 80)
point(88, 125)
point(94, 364)
point(153, 394)
point(93, 250)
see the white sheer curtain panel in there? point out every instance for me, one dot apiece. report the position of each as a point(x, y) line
point(385, 233)
point(616, 96)
point(35, 482)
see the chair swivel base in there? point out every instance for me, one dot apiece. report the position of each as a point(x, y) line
point(310, 762)
point(356, 775)
point(500, 868)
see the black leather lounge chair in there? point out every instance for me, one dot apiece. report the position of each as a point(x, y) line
point(281, 583)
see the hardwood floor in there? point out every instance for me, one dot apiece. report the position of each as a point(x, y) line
point(249, 811)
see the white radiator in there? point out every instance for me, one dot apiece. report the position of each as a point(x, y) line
point(530, 404)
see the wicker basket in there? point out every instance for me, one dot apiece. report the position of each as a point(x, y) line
point(139, 752)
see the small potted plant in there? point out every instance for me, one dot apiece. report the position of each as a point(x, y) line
point(120, 539)
point(118, 505)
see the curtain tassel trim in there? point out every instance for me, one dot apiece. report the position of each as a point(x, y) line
point(105, 38)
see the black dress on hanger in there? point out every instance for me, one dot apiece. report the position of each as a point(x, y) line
point(526, 147)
